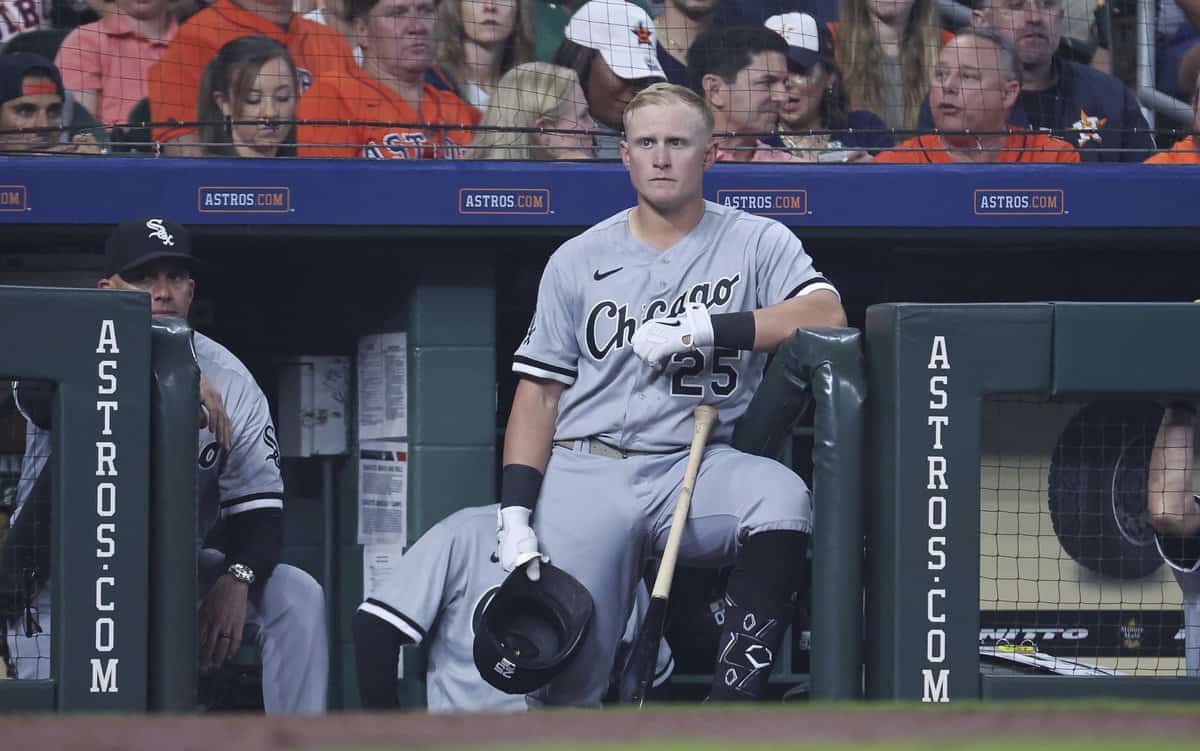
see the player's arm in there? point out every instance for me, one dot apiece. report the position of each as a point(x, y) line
point(530, 431)
point(376, 653)
point(547, 363)
point(251, 502)
point(1173, 510)
point(527, 443)
point(251, 487)
point(403, 607)
point(791, 295)
point(820, 309)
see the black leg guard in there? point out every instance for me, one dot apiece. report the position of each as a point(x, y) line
point(758, 609)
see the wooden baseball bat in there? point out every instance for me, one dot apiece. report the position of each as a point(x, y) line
point(644, 656)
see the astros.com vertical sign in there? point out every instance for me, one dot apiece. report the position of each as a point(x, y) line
point(935, 676)
point(103, 664)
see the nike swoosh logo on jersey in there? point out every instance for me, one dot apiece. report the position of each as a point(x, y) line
point(668, 323)
point(600, 277)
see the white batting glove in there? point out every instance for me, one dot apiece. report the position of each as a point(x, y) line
point(517, 545)
point(657, 340)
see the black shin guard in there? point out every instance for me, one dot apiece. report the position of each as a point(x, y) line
point(758, 608)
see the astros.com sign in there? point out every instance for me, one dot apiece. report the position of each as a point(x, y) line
point(244, 200)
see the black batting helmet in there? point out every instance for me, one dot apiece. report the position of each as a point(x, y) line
point(529, 631)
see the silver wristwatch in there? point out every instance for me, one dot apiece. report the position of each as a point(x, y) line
point(241, 572)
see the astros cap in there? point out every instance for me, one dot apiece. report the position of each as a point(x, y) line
point(139, 241)
point(623, 34)
point(14, 68)
point(809, 40)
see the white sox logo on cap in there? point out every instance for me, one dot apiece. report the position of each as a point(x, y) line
point(158, 231)
point(505, 668)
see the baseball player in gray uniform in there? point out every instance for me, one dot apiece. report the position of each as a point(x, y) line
point(671, 304)
point(238, 485)
point(1175, 515)
point(436, 596)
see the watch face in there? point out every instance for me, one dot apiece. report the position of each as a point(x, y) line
point(242, 573)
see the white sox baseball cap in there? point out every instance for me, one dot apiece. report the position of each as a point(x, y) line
point(623, 34)
point(809, 41)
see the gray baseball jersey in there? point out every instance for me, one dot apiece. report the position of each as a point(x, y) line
point(247, 476)
point(599, 286)
point(437, 593)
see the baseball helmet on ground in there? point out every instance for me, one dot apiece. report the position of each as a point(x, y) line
point(529, 630)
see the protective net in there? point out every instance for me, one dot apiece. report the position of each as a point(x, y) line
point(849, 81)
point(1071, 579)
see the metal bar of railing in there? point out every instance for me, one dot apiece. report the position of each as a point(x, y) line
point(1166, 105)
point(1146, 23)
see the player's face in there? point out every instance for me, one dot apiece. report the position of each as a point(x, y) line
point(610, 93)
point(168, 282)
point(805, 90)
point(968, 91)
point(400, 34)
point(572, 115)
point(34, 110)
point(1033, 27)
point(666, 150)
point(489, 22)
point(264, 107)
point(755, 97)
point(143, 9)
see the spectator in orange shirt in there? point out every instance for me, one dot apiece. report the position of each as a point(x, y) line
point(174, 81)
point(975, 85)
point(741, 71)
point(398, 38)
point(1186, 150)
point(104, 64)
point(481, 40)
point(252, 85)
point(536, 95)
point(887, 50)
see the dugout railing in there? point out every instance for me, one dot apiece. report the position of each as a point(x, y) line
point(931, 369)
point(122, 565)
point(823, 368)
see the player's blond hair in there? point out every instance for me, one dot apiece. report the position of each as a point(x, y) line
point(663, 94)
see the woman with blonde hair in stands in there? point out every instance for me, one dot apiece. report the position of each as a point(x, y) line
point(530, 96)
point(887, 50)
point(481, 40)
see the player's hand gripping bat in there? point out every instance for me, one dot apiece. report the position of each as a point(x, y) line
point(645, 648)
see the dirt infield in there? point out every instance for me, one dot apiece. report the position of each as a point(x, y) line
point(868, 724)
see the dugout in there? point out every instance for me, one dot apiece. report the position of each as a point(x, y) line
point(303, 257)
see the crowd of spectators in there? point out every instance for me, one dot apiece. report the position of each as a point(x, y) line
point(839, 81)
